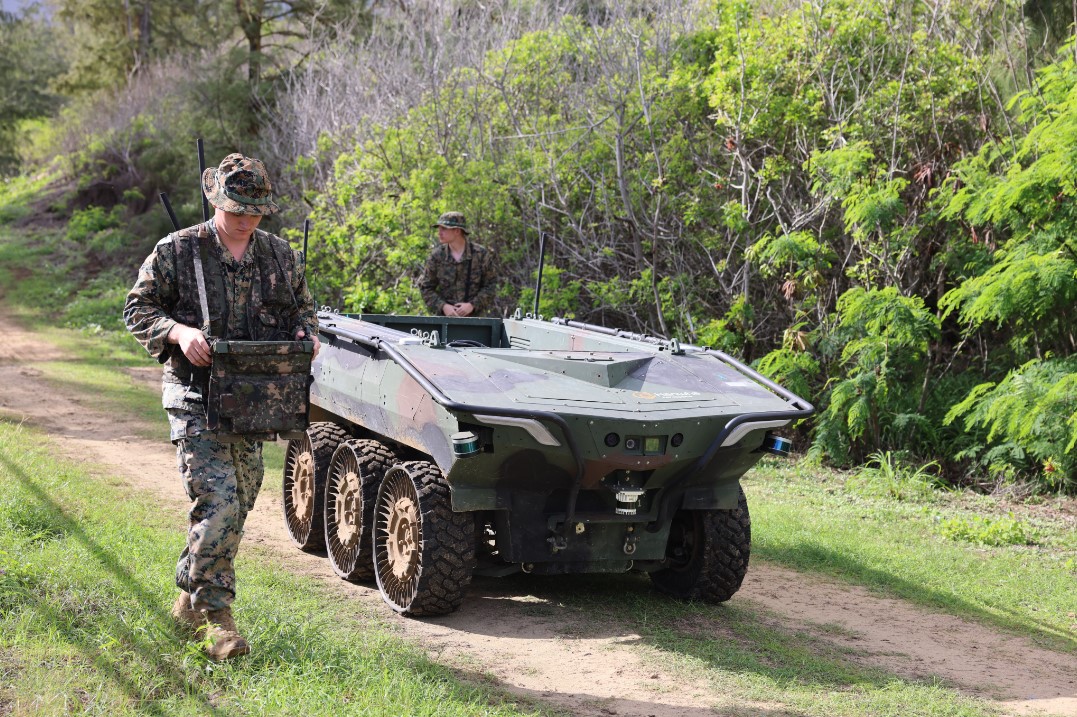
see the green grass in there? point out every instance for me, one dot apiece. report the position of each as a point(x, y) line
point(85, 590)
point(16, 193)
point(33, 270)
point(77, 281)
point(805, 519)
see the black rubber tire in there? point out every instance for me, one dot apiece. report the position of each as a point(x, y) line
point(303, 518)
point(708, 553)
point(439, 547)
point(348, 507)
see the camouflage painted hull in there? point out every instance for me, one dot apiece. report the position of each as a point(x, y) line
point(576, 444)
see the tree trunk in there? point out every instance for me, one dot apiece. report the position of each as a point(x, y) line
point(251, 15)
point(144, 32)
point(252, 22)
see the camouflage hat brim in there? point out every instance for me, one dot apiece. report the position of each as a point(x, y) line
point(220, 198)
point(450, 226)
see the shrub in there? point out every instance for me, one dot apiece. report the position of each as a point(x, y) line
point(883, 339)
point(984, 530)
point(85, 223)
point(885, 476)
point(1031, 417)
point(99, 306)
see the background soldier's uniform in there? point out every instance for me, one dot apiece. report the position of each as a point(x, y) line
point(262, 297)
point(472, 279)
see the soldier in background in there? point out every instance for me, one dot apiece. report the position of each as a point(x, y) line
point(460, 276)
point(255, 290)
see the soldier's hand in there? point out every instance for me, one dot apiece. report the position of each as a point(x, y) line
point(301, 334)
point(192, 343)
point(448, 310)
point(464, 309)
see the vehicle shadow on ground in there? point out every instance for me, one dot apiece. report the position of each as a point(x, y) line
point(585, 705)
point(84, 625)
point(732, 637)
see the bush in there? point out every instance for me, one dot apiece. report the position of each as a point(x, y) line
point(882, 340)
point(984, 530)
point(1031, 418)
point(885, 476)
point(99, 306)
point(85, 223)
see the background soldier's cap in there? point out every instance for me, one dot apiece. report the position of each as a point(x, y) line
point(452, 220)
point(240, 186)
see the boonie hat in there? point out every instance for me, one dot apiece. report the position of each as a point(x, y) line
point(240, 185)
point(452, 220)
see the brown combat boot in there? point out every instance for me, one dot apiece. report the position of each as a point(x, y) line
point(187, 617)
point(225, 642)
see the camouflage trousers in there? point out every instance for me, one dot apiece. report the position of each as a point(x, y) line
point(222, 480)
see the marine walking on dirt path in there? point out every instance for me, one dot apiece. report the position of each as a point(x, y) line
point(255, 289)
point(459, 277)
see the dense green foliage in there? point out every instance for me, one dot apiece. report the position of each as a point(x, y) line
point(745, 186)
point(27, 64)
point(751, 186)
point(1019, 303)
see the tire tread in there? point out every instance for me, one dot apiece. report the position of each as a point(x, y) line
point(717, 572)
point(448, 545)
point(324, 438)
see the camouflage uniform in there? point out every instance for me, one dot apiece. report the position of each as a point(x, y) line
point(446, 281)
point(222, 479)
point(473, 279)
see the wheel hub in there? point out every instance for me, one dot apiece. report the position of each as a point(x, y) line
point(303, 486)
point(402, 541)
point(349, 509)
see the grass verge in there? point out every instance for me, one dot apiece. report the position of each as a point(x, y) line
point(804, 518)
point(84, 625)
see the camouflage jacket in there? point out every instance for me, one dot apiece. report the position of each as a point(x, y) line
point(246, 298)
point(472, 279)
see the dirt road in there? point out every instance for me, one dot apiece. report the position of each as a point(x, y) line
point(534, 653)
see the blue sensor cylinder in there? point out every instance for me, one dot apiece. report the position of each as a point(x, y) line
point(777, 445)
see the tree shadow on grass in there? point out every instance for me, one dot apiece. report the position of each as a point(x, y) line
point(848, 569)
point(81, 628)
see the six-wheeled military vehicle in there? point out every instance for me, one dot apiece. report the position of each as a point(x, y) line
point(440, 448)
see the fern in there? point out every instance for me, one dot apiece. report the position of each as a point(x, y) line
point(886, 338)
point(1033, 409)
